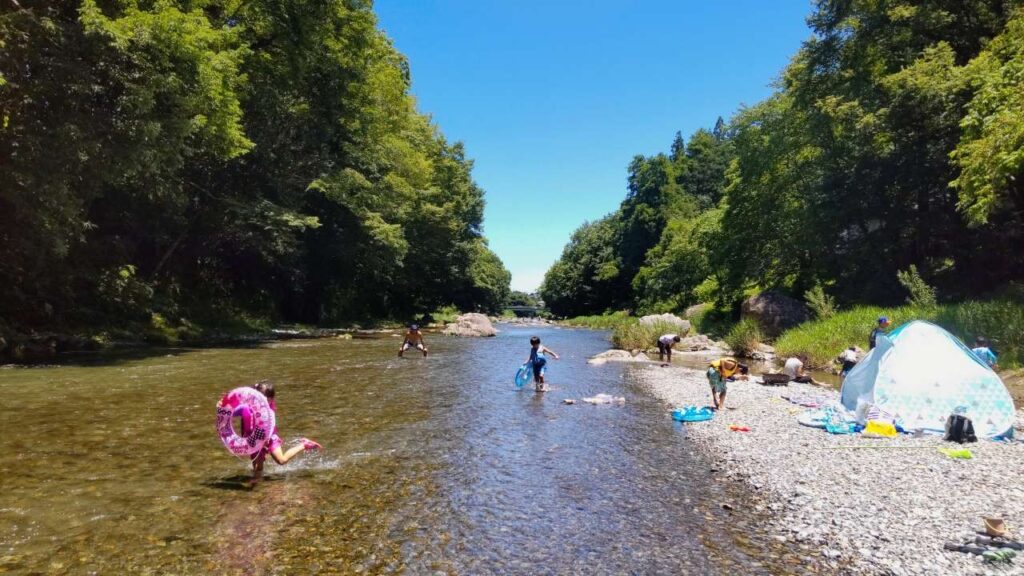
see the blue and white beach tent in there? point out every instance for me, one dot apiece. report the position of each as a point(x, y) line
point(922, 373)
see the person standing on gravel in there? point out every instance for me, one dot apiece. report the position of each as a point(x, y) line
point(718, 371)
point(665, 344)
point(883, 325)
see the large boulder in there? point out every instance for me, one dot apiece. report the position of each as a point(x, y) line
point(472, 324)
point(680, 326)
point(775, 312)
point(698, 343)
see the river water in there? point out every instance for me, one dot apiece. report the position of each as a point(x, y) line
point(111, 464)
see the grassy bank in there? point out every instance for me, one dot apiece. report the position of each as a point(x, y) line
point(598, 322)
point(1001, 321)
point(627, 332)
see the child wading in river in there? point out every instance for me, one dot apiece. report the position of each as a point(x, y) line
point(539, 362)
point(273, 444)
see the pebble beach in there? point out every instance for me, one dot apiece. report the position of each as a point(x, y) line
point(871, 506)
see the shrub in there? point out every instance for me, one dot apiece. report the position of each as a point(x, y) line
point(821, 304)
point(744, 337)
point(444, 315)
point(633, 335)
point(713, 322)
point(920, 293)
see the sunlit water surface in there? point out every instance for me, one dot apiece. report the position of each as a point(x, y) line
point(111, 464)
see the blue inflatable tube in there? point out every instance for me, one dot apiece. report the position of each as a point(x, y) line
point(692, 414)
point(523, 375)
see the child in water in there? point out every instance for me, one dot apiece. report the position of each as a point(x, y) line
point(413, 338)
point(539, 362)
point(273, 444)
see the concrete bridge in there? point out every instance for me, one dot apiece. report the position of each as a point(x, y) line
point(524, 311)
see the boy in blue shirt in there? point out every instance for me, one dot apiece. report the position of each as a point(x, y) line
point(883, 325)
point(539, 362)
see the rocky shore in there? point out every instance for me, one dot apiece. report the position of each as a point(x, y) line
point(872, 506)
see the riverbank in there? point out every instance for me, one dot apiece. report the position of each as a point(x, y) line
point(885, 510)
point(46, 347)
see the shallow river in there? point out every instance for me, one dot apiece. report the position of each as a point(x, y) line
point(111, 464)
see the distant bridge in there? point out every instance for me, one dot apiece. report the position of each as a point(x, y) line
point(524, 311)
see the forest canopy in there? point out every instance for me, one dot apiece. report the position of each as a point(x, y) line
point(894, 139)
point(221, 158)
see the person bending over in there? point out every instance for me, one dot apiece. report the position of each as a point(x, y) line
point(413, 338)
point(719, 371)
point(665, 344)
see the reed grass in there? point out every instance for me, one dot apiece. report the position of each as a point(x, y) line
point(744, 337)
point(1000, 321)
point(598, 322)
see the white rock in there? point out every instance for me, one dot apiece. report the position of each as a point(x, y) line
point(472, 324)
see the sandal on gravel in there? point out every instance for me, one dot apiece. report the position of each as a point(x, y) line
point(310, 445)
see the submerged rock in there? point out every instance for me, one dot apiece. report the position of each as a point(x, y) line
point(472, 324)
point(605, 399)
point(618, 356)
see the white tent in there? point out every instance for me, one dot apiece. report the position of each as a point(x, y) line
point(921, 373)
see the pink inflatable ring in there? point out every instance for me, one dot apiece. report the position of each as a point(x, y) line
point(247, 403)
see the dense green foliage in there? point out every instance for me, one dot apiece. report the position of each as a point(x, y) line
point(998, 320)
point(890, 158)
point(520, 298)
point(216, 158)
point(652, 251)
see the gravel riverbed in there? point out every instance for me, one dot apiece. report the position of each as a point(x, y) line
point(872, 506)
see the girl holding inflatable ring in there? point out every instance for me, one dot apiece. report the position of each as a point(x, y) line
point(273, 444)
point(257, 410)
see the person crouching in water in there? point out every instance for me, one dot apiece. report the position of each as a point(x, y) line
point(273, 444)
point(539, 362)
point(719, 371)
point(413, 338)
point(665, 344)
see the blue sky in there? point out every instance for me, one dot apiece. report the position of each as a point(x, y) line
point(554, 98)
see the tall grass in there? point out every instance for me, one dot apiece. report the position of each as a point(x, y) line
point(599, 322)
point(1001, 321)
point(744, 337)
point(633, 335)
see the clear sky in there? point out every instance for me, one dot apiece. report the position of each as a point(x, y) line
point(554, 98)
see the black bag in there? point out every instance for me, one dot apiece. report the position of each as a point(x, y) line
point(960, 429)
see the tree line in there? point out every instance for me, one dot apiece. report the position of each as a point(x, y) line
point(894, 141)
point(218, 159)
